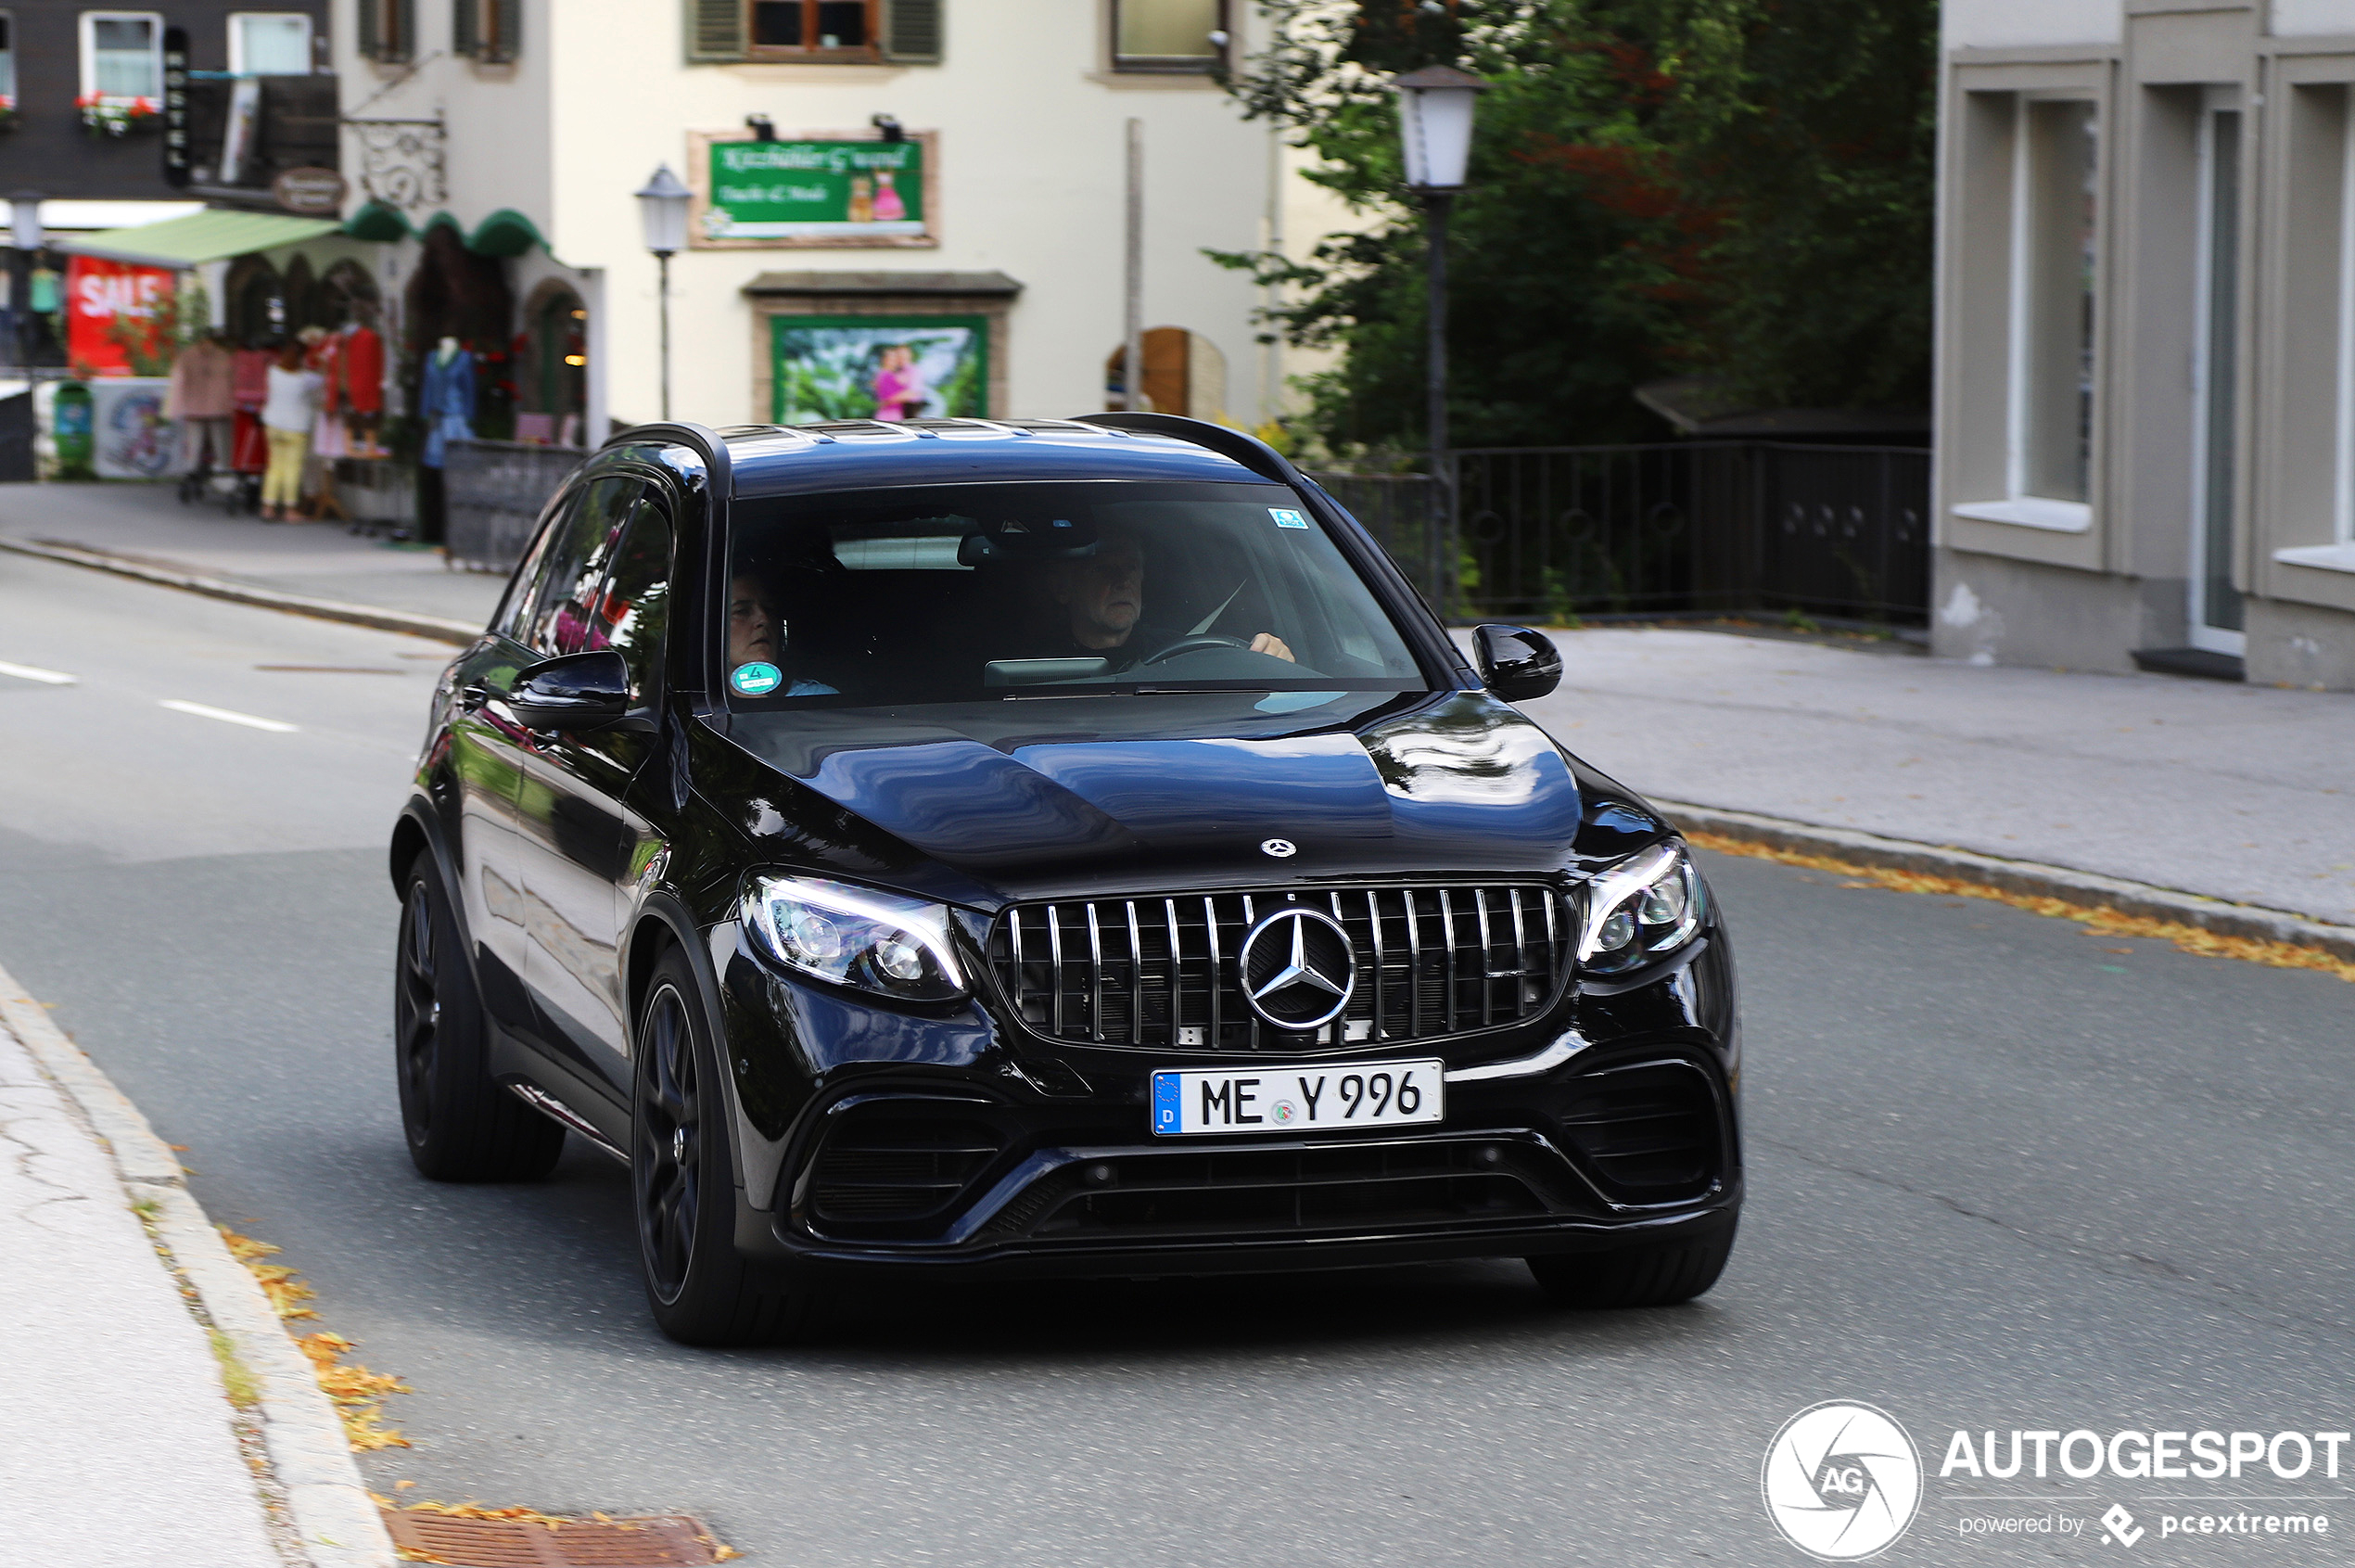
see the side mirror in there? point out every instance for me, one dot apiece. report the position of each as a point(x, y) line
point(587, 691)
point(1516, 663)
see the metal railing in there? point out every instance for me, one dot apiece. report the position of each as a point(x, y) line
point(1548, 533)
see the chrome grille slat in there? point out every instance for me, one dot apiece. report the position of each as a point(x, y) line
point(1485, 936)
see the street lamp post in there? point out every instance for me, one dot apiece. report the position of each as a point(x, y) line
point(1434, 129)
point(24, 235)
point(662, 208)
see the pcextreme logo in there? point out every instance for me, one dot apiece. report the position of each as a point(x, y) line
point(1841, 1481)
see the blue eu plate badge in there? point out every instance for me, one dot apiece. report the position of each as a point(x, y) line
point(1287, 519)
point(1166, 1088)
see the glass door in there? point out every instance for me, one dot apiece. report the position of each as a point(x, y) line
point(2215, 605)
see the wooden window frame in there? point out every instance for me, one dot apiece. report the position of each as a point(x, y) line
point(240, 66)
point(86, 27)
point(868, 53)
point(487, 32)
point(1168, 64)
point(388, 31)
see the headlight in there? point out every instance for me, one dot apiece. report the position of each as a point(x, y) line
point(1646, 906)
point(878, 942)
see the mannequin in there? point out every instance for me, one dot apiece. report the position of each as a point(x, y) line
point(446, 403)
point(363, 388)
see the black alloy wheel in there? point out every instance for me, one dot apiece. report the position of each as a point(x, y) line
point(682, 1184)
point(462, 1125)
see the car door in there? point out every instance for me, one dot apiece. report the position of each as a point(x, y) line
point(583, 846)
point(486, 750)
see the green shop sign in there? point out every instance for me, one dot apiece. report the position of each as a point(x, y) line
point(788, 191)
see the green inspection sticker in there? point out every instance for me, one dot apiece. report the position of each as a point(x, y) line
point(1285, 519)
point(755, 680)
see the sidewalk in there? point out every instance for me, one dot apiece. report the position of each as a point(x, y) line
point(2238, 793)
point(119, 1443)
point(146, 523)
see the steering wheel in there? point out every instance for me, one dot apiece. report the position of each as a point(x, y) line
point(1193, 646)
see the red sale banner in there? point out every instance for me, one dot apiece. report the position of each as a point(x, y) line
point(114, 310)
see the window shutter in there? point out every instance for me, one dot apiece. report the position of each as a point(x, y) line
point(912, 31)
point(716, 30)
point(400, 32)
point(466, 38)
point(507, 21)
point(371, 31)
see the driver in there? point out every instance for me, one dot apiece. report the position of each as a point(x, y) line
point(1103, 597)
point(755, 634)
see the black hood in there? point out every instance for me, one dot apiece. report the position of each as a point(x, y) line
point(1028, 798)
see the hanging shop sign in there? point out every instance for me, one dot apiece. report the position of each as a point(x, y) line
point(316, 193)
point(814, 191)
point(878, 367)
point(119, 316)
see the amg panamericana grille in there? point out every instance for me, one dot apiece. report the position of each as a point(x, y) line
point(1162, 972)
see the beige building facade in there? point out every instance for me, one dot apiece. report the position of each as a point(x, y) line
point(974, 154)
point(2145, 405)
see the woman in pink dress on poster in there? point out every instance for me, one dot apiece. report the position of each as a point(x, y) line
point(900, 393)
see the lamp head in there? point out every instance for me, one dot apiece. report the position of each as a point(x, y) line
point(24, 220)
point(1435, 124)
point(662, 209)
point(889, 126)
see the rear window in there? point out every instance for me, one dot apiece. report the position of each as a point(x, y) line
point(954, 594)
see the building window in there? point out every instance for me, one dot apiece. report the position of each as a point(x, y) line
point(7, 61)
point(490, 32)
point(388, 31)
point(840, 28)
point(2056, 154)
point(269, 43)
point(121, 56)
point(1171, 35)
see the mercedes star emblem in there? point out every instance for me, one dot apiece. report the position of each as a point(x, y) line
point(1298, 969)
point(1283, 849)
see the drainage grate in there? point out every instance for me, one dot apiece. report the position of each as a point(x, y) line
point(671, 1542)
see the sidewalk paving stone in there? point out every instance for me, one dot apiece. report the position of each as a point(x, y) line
point(115, 1437)
point(2240, 793)
point(323, 560)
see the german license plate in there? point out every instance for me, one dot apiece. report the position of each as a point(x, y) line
point(1267, 1098)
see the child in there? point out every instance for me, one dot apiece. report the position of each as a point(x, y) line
point(900, 393)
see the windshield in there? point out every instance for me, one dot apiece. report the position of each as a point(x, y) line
point(963, 593)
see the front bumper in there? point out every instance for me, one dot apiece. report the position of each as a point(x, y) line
point(894, 1143)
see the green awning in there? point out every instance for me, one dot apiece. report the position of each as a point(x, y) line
point(200, 237)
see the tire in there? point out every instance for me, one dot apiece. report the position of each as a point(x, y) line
point(1657, 1274)
point(460, 1124)
point(682, 1184)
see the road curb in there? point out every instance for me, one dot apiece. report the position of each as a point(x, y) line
point(2085, 889)
point(383, 619)
point(337, 1524)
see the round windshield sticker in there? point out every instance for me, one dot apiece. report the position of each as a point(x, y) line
point(755, 680)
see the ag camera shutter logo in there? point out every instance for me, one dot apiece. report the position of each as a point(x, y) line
point(1841, 1481)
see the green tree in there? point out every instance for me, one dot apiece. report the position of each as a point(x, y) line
point(1733, 188)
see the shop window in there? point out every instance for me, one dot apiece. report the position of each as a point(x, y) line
point(553, 376)
point(852, 32)
point(2052, 403)
point(388, 29)
point(122, 54)
point(269, 43)
point(2024, 347)
point(490, 32)
point(1168, 35)
point(8, 60)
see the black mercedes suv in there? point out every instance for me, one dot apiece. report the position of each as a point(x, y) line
point(1041, 847)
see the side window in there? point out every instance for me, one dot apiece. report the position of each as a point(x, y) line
point(574, 562)
point(634, 609)
point(523, 591)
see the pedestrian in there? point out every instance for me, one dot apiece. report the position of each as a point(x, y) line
point(287, 417)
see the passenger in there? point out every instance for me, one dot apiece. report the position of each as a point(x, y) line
point(756, 635)
point(1103, 597)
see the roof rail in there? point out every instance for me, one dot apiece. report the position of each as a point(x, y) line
point(701, 436)
point(1247, 450)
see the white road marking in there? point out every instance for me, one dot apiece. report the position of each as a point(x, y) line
point(46, 677)
point(201, 711)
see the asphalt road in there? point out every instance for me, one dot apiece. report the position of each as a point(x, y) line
point(2003, 1175)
